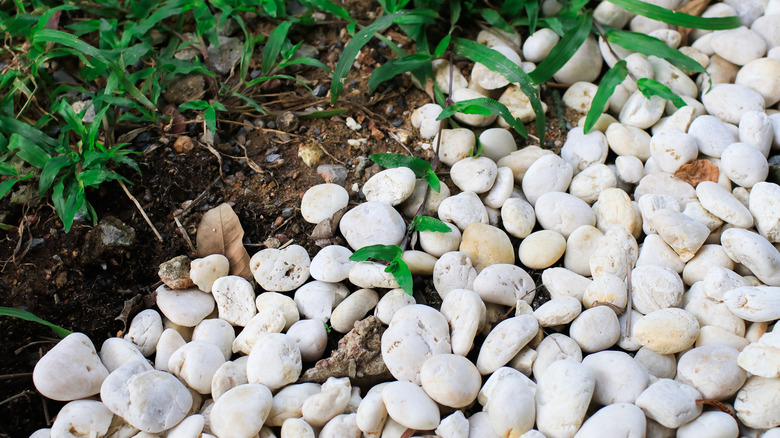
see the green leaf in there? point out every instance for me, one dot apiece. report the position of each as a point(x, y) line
point(609, 82)
point(394, 67)
point(427, 223)
point(352, 50)
point(210, 116)
point(402, 274)
point(532, 10)
point(648, 45)
point(27, 316)
point(433, 180)
point(274, 45)
point(306, 61)
point(28, 151)
point(94, 177)
point(496, 20)
point(442, 46)
point(677, 18)
point(378, 252)
point(650, 87)
point(497, 62)
point(72, 119)
point(563, 50)
point(50, 172)
point(477, 149)
point(197, 105)
point(418, 166)
point(11, 126)
point(8, 184)
point(484, 106)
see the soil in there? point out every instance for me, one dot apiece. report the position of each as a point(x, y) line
point(46, 271)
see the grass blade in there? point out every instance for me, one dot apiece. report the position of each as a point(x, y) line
point(494, 19)
point(12, 126)
point(402, 274)
point(648, 45)
point(27, 316)
point(532, 10)
point(418, 166)
point(28, 151)
point(274, 45)
point(378, 252)
point(484, 106)
point(498, 62)
point(677, 18)
point(650, 87)
point(352, 50)
point(394, 67)
point(609, 82)
point(563, 51)
point(427, 223)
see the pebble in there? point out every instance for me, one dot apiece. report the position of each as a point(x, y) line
point(410, 406)
point(343, 425)
point(537, 46)
point(650, 204)
point(475, 120)
point(584, 65)
point(204, 271)
point(561, 282)
point(511, 408)
point(391, 186)
point(754, 252)
point(372, 223)
point(738, 46)
point(714, 424)
point(655, 287)
point(588, 184)
point(501, 190)
point(450, 380)
point(721, 203)
point(218, 332)
point(697, 212)
point(666, 184)
point(614, 209)
point(81, 418)
point(670, 403)
point(412, 204)
point(709, 256)
point(595, 329)
point(486, 245)
point(711, 312)
point(614, 253)
point(145, 330)
point(761, 358)
point(489, 79)
point(582, 150)
point(235, 299)
point(558, 311)
point(520, 161)
point(454, 426)
point(656, 252)
point(756, 403)
point(463, 209)
point(415, 333)
point(562, 212)
point(549, 173)
point(518, 104)
point(606, 289)
point(465, 313)
point(474, 174)
point(296, 428)
point(332, 264)
point(641, 112)
point(320, 202)
point(456, 144)
point(371, 275)
point(170, 341)
point(626, 140)
point(518, 217)
point(149, 400)
point(504, 342)
point(754, 303)
point(371, 413)
point(667, 331)
point(581, 243)
point(729, 102)
point(73, 357)
point(660, 366)
point(671, 149)
point(441, 72)
point(266, 321)
point(497, 143)
point(229, 375)
point(631, 424)
point(311, 338)
point(195, 364)
point(241, 411)
point(541, 249)
point(281, 270)
point(579, 96)
point(288, 402)
point(712, 370)
point(424, 118)
point(332, 400)
point(755, 128)
point(282, 303)
point(761, 75)
point(353, 308)
point(683, 234)
point(275, 361)
point(453, 270)
point(744, 164)
point(175, 273)
point(390, 302)
point(185, 307)
point(563, 394)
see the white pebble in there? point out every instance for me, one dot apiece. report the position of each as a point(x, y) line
point(505, 341)
point(595, 329)
point(145, 330)
point(562, 212)
point(352, 309)
point(185, 307)
point(391, 186)
point(670, 403)
point(415, 333)
point(321, 201)
point(744, 164)
point(755, 252)
point(463, 209)
point(410, 406)
point(729, 102)
point(205, 270)
point(563, 394)
point(372, 223)
point(275, 361)
point(541, 249)
point(712, 370)
point(281, 270)
point(667, 331)
point(450, 380)
point(241, 411)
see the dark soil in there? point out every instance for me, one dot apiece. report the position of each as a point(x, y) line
point(45, 270)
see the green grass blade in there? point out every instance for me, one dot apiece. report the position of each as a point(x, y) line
point(496, 20)
point(484, 106)
point(609, 82)
point(27, 316)
point(427, 223)
point(402, 274)
point(352, 50)
point(498, 62)
point(433, 180)
point(28, 151)
point(532, 10)
point(378, 252)
point(418, 166)
point(50, 172)
point(307, 61)
point(650, 87)
point(394, 67)
point(648, 45)
point(11, 126)
point(274, 45)
point(677, 18)
point(563, 51)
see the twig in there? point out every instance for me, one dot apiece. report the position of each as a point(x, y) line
point(200, 198)
point(286, 244)
point(184, 233)
point(14, 376)
point(141, 209)
point(24, 393)
point(329, 154)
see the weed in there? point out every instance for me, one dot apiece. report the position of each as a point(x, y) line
point(27, 316)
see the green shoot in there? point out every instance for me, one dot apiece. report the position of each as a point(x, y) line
point(677, 18)
point(420, 167)
point(609, 82)
point(427, 223)
point(392, 254)
point(27, 316)
point(484, 106)
point(650, 87)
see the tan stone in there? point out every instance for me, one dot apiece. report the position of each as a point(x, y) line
point(486, 245)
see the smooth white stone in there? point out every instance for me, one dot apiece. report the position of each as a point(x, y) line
point(520, 161)
point(712, 370)
point(412, 204)
point(390, 302)
point(204, 271)
point(713, 424)
point(615, 253)
point(410, 406)
point(453, 270)
point(712, 135)
point(671, 149)
point(537, 46)
point(296, 428)
point(489, 79)
point(70, 370)
point(437, 244)
point(475, 120)
point(558, 311)
point(391, 186)
point(191, 426)
point(627, 340)
point(650, 204)
point(504, 284)
point(729, 102)
point(666, 184)
point(756, 403)
point(697, 212)
point(605, 289)
point(614, 209)
point(463, 209)
point(474, 174)
point(456, 144)
point(563, 394)
point(311, 338)
point(555, 347)
point(450, 380)
point(744, 164)
point(441, 72)
point(235, 299)
point(541, 249)
point(761, 75)
point(764, 203)
point(511, 407)
point(671, 76)
point(660, 366)
point(754, 303)
point(185, 307)
point(501, 189)
point(283, 303)
point(79, 418)
point(331, 401)
point(465, 313)
point(711, 312)
point(116, 352)
point(628, 140)
point(217, 332)
point(518, 104)
point(415, 333)
point(549, 173)
point(584, 65)
point(518, 217)
point(670, 403)
point(145, 330)
point(756, 129)
point(497, 143)
point(619, 378)
point(275, 361)
point(595, 329)
point(341, 426)
point(683, 234)
point(709, 256)
point(170, 341)
point(505, 341)
point(331, 264)
point(619, 419)
point(579, 247)
point(454, 426)
point(371, 414)
point(424, 117)
point(761, 358)
point(754, 252)
point(241, 411)
point(321, 201)
point(229, 375)
point(352, 309)
point(316, 299)
point(655, 251)
point(641, 112)
point(288, 402)
point(281, 270)
point(739, 46)
point(719, 280)
point(561, 282)
point(372, 223)
point(667, 331)
point(589, 183)
point(655, 287)
point(268, 321)
point(195, 363)
point(563, 212)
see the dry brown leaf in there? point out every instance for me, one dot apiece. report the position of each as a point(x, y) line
point(693, 7)
point(697, 171)
point(220, 232)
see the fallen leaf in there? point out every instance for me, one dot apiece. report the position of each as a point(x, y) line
point(697, 171)
point(220, 232)
point(129, 307)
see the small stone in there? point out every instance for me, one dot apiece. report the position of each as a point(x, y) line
point(721, 203)
point(589, 183)
point(353, 308)
point(761, 75)
point(229, 375)
point(511, 408)
point(505, 341)
point(632, 421)
point(320, 202)
point(372, 275)
point(195, 363)
point(333, 173)
point(744, 164)
point(497, 143)
point(222, 57)
point(614, 253)
point(518, 217)
point(671, 149)
point(583, 150)
point(712, 135)
point(275, 361)
point(311, 338)
point(486, 245)
point(541, 249)
point(563, 213)
point(539, 45)
point(561, 282)
point(391, 186)
point(463, 209)
point(186, 307)
point(410, 406)
point(170, 341)
point(619, 378)
point(581, 243)
point(475, 174)
point(755, 252)
point(281, 270)
point(424, 118)
point(175, 273)
point(235, 299)
point(282, 303)
point(206, 270)
point(666, 184)
point(655, 287)
point(415, 333)
point(626, 140)
point(642, 112)
point(390, 303)
point(670, 403)
point(241, 411)
point(332, 400)
point(712, 370)
point(454, 426)
point(739, 46)
point(70, 370)
point(287, 121)
point(754, 303)
point(475, 120)
point(661, 366)
point(563, 394)
point(465, 313)
point(372, 223)
point(501, 190)
point(595, 329)
point(667, 331)
point(684, 235)
point(145, 331)
point(455, 145)
point(715, 424)
point(756, 403)
point(584, 65)
point(266, 321)
point(549, 173)
point(450, 380)
point(82, 418)
point(558, 311)
point(332, 264)
point(579, 96)
point(316, 299)
point(729, 102)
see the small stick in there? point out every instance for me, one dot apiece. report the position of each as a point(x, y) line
point(143, 213)
point(24, 393)
point(184, 233)
point(14, 376)
point(200, 198)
